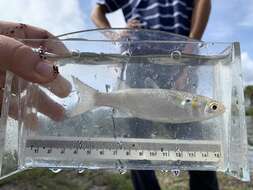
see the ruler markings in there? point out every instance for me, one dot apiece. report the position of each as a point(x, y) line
point(65, 148)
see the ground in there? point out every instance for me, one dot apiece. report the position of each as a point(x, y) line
point(43, 179)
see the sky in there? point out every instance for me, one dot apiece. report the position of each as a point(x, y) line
point(230, 20)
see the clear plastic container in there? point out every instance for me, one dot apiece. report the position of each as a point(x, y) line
point(109, 130)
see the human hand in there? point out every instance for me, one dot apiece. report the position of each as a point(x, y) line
point(134, 23)
point(115, 36)
point(192, 47)
point(17, 56)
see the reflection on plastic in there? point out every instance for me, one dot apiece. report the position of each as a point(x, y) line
point(107, 138)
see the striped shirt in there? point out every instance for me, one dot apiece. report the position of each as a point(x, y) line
point(166, 15)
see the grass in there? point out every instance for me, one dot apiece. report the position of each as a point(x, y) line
point(43, 179)
point(249, 111)
point(248, 91)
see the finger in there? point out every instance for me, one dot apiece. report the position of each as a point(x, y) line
point(124, 34)
point(60, 86)
point(191, 48)
point(37, 101)
point(18, 85)
point(24, 62)
point(134, 21)
point(134, 25)
point(55, 46)
point(46, 105)
point(30, 119)
point(42, 38)
point(111, 35)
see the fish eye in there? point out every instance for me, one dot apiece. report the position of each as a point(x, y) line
point(187, 100)
point(213, 106)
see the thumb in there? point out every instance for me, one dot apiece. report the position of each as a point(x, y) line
point(24, 62)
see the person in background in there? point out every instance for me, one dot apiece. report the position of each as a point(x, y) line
point(185, 17)
point(17, 56)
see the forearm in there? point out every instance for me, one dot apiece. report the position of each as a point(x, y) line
point(98, 16)
point(200, 15)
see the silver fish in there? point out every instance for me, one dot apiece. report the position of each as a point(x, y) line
point(161, 105)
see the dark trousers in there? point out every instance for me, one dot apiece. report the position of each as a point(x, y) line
point(199, 180)
point(136, 77)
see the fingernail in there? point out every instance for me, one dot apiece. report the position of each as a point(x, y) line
point(44, 69)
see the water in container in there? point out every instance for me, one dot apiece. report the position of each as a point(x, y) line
point(129, 99)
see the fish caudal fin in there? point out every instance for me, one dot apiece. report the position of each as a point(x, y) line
point(86, 98)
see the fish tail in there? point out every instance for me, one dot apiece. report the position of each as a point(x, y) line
point(86, 97)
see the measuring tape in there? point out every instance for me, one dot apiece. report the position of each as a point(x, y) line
point(80, 149)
